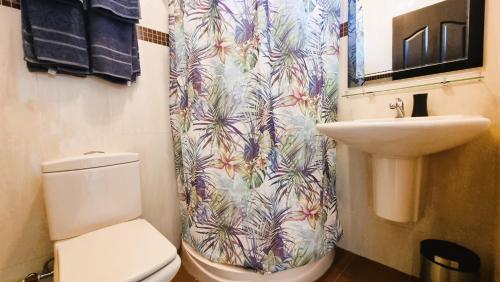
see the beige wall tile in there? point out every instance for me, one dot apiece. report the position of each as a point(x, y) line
point(154, 14)
point(45, 117)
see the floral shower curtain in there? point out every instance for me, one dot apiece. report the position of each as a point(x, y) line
point(249, 80)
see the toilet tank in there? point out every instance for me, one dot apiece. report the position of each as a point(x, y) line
point(90, 191)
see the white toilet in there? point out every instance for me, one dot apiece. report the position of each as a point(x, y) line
point(93, 203)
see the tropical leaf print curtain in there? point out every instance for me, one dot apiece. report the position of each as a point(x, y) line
point(249, 80)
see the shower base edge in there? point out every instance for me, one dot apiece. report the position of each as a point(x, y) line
point(205, 270)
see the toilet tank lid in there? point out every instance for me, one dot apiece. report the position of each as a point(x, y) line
point(89, 160)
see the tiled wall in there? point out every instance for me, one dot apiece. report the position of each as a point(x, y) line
point(378, 76)
point(143, 33)
point(45, 117)
point(462, 186)
point(11, 3)
point(151, 35)
point(344, 29)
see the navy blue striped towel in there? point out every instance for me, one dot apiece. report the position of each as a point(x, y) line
point(128, 10)
point(54, 35)
point(113, 47)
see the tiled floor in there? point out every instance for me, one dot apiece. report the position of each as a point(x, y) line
point(347, 267)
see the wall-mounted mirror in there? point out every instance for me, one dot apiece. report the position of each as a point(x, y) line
point(407, 38)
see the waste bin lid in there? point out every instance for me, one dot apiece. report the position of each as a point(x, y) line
point(450, 255)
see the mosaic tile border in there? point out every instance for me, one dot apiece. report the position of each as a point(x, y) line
point(344, 29)
point(143, 33)
point(378, 76)
point(16, 4)
point(151, 35)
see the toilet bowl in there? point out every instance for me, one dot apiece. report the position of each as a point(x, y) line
point(93, 206)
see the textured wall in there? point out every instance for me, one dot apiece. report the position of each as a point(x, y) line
point(462, 186)
point(44, 117)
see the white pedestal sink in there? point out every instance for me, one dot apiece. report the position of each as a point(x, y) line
point(397, 147)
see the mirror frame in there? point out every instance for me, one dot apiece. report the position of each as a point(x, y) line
point(475, 33)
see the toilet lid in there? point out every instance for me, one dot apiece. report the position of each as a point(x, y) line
point(129, 251)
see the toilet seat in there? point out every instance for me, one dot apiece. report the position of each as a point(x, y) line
point(130, 251)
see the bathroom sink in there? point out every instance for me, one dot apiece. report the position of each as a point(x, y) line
point(406, 137)
point(397, 146)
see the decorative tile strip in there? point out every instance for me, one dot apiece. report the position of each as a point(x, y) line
point(343, 29)
point(143, 33)
point(16, 4)
point(151, 35)
point(377, 76)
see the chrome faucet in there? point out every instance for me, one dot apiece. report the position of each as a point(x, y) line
point(399, 106)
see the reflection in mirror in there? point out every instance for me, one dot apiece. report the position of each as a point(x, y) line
point(399, 38)
point(356, 45)
point(429, 35)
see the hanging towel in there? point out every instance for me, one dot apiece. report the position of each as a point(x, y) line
point(128, 10)
point(54, 36)
point(136, 64)
point(113, 47)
